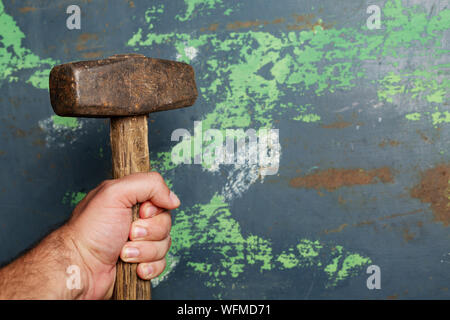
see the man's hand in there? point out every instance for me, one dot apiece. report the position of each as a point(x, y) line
point(99, 231)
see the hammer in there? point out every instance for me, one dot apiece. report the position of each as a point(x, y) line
point(125, 88)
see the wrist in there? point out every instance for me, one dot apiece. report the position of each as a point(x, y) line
point(46, 271)
point(79, 283)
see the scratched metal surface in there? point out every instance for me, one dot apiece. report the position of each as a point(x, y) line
point(364, 126)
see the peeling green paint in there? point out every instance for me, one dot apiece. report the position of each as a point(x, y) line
point(14, 57)
point(68, 122)
point(319, 60)
point(233, 108)
point(350, 263)
point(73, 198)
point(413, 27)
point(212, 228)
point(39, 79)
point(199, 7)
point(332, 268)
point(413, 116)
point(311, 117)
point(288, 260)
point(440, 117)
point(428, 85)
point(391, 87)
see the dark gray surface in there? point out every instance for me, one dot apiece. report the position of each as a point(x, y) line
point(42, 166)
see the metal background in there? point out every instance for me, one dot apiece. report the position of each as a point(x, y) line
point(372, 102)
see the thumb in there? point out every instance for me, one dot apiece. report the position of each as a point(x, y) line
point(137, 188)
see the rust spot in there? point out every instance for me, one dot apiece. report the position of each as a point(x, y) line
point(364, 223)
point(87, 36)
point(250, 24)
point(277, 21)
point(213, 27)
point(396, 215)
point(27, 9)
point(2, 152)
point(370, 222)
point(434, 188)
point(307, 22)
point(393, 297)
point(83, 40)
point(15, 101)
point(245, 24)
point(39, 142)
point(303, 18)
point(337, 125)
point(407, 235)
point(333, 179)
point(338, 229)
point(423, 136)
point(340, 123)
point(392, 143)
point(19, 133)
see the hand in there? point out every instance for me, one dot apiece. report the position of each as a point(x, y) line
point(100, 229)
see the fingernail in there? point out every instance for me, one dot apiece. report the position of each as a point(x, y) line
point(131, 252)
point(148, 270)
point(174, 198)
point(139, 232)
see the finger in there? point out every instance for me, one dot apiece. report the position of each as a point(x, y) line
point(138, 188)
point(153, 229)
point(145, 251)
point(148, 210)
point(147, 271)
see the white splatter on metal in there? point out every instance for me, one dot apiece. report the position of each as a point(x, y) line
point(59, 135)
point(190, 52)
point(172, 263)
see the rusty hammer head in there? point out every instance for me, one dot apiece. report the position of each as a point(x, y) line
point(122, 85)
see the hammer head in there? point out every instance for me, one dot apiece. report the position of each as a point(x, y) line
point(122, 85)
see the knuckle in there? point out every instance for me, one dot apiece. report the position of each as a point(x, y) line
point(165, 226)
point(106, 183)
point(110, 187)
point(107, 186)
point(153, 253)
point(157, 176)
point(162, 230)
point(159, 251)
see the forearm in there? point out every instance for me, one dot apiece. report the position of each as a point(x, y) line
point(42, 272)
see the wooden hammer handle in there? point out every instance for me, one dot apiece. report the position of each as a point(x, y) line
point(129, 147)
